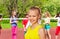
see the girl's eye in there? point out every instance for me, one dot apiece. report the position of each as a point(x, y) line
point(34, 16)
point(29, 16)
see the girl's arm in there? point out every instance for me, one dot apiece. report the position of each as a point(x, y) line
point(42, 33)
point(55, 16)
point(10, 20)
point(0, 19)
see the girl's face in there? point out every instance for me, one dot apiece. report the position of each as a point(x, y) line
point(33, 16)
point(26, 16)
point(59, 15)
point(13, 13)
point(46, 15)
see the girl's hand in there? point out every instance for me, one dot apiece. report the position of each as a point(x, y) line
point(0, 19)
point(11, 21)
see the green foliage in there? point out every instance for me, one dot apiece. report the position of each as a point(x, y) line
point(6, 24)
point(53, 6)
point(52, 20)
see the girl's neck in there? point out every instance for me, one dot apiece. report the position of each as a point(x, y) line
point(13, 16)
point(34, 25)
point(47, 17)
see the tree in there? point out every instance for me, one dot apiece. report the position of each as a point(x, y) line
point(12, 6)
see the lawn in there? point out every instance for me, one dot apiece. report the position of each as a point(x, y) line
point(5, 24)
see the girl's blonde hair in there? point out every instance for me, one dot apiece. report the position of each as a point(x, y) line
point(13, 12)
point(38, 9)
point(57, 14)
point(47, 13)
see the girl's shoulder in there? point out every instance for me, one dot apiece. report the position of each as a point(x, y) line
point(39, 26)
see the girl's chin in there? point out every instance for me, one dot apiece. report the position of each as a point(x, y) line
point(32, 23)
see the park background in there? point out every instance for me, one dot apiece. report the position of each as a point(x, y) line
point(22, 6)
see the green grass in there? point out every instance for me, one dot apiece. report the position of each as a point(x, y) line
point(52, 24)
point(6, 24)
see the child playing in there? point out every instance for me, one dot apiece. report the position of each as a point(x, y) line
point(25, 22)
point(35, 31)
point(58, 25)
point(29, 24)
point(13, 21)
point(47, 25)
point(0, 23)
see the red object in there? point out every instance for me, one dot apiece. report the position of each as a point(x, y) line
point(57, 30)
point(24, 22)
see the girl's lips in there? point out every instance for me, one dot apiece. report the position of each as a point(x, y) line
point(32, 20)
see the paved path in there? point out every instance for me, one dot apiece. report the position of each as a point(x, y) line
point(6, 34)
point(52, 31)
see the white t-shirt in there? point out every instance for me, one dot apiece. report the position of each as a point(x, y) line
point(58, 23)
point(28, 24)
point(47, 20)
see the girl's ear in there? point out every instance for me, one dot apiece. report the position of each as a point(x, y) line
point(39, 17)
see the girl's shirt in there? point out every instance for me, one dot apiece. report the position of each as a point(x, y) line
point(24, 22)
point(58, 23)
point(13, 20)
point(33, 33)
point(47, 20)
point(28, 24)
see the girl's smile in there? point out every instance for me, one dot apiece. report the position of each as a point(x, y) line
point(33, 16)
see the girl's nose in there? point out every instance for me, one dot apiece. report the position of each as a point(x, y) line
point(31, 18)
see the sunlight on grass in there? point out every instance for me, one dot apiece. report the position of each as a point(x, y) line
point(6, 24)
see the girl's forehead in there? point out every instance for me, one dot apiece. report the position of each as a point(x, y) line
point(13, 12)
point(33, 12)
